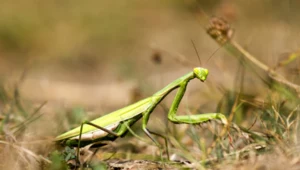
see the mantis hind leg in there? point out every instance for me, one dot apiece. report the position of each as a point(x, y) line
point(97, 126)
point(123, 128)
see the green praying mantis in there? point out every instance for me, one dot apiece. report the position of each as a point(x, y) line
point(118, 123)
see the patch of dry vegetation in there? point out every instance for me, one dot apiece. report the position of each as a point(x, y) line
point(260, 100)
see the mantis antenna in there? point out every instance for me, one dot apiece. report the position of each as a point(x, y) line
point(210, 55)
point(196, 52)
point(213, 53)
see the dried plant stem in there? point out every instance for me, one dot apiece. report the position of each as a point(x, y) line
point(235, 49)
point(220, 30)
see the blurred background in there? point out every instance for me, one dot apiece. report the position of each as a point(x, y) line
point(92, 53)
point(96, 56)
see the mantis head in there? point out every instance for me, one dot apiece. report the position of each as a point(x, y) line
point(201, 73)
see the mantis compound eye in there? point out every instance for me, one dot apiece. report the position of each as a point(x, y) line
point(201, 73)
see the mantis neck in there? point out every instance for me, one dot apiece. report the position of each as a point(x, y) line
point(175, 84)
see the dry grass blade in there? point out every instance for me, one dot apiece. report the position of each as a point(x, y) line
point(27, 152)
point(31, 118)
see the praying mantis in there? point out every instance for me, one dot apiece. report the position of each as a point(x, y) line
point(118, 123)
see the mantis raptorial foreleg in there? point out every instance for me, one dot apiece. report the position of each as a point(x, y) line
point(190, 119)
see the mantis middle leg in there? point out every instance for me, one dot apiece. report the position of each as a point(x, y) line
point(146, 115)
